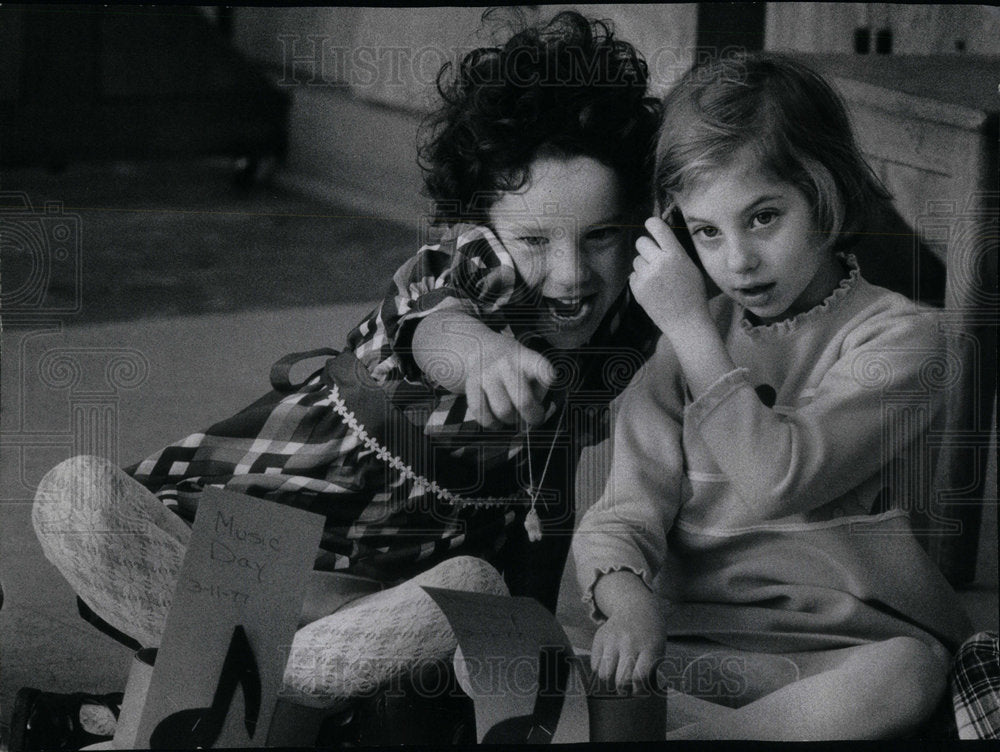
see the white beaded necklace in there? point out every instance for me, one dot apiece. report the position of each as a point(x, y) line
point(531, 522)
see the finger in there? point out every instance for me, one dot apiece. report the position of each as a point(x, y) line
point(641, 277)
point(597, 650)
point(647, 248)
point(640, 262)
point(528, 408)
point(623, 676)
point(635, 282)
point(539, 376)
point(500, 403)
point(608, 665)
point(479, 409)
point(542, 371)
point(642, 674)
point(662, 234)
point(538, 392)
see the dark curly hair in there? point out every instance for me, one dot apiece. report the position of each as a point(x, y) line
point(566, 87)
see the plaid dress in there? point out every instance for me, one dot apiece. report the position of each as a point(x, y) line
point(402, 474)
point(975, 687)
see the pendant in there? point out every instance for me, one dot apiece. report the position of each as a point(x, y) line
point(533, 525)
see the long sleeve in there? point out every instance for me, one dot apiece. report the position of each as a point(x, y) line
point(796, 458)
point(469, 270)
point(627, 527)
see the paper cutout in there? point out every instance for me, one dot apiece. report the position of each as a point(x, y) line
point(197, 728)
point(139, 675)
point(538, 727)
point(247, 564)
point(510, 649)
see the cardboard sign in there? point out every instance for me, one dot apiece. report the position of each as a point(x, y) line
point(518, 666)
point(221, 662)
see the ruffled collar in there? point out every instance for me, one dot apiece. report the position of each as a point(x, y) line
point(834, 300)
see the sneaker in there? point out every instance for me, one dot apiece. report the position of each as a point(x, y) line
point(53, 721)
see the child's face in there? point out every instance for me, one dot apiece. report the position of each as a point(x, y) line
point(756, 237)
point(566, 233)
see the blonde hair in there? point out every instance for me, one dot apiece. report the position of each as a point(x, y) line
point(792, 120)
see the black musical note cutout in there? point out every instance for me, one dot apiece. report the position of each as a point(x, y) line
point(540, 726)
point(200, 727)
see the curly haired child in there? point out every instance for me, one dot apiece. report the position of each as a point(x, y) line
point(445, 423)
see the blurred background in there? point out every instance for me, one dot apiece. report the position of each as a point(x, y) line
point(221, 115)
point(189, 192)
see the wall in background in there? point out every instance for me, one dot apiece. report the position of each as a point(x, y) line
point(391, 55)
point(359, 86)
point(915, 29)
point(361, 79)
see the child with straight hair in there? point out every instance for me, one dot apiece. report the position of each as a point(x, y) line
point(755, 455)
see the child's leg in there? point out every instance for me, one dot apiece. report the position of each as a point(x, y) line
point(381, 636)
point(121, 550)
point(880, 690)
point(723, 676)
point(115, 543)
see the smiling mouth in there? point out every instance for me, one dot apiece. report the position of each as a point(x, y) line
point(570, 310)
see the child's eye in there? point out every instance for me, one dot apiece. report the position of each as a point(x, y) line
point(604, 233)
point(533, 240)
point(764, 218)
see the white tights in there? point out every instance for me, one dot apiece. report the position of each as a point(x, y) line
point(121, 551)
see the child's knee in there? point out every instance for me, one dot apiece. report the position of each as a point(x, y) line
point(917, 658)
point(69, 473)
point(73, 476)
point(464, 573)
point(66, 489)
point(86, 494)
point(917, 674)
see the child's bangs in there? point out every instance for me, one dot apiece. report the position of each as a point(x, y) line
point(685, 161)
point(702, 130)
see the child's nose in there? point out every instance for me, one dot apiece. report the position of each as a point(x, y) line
point(742, 258)
point(567, 267)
